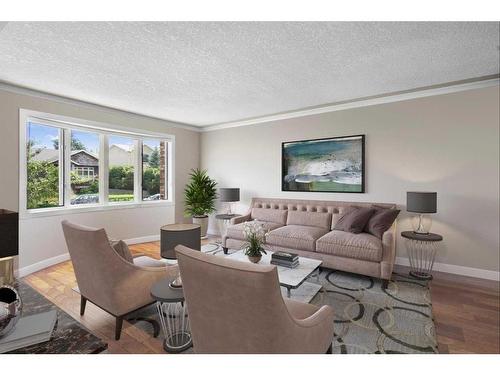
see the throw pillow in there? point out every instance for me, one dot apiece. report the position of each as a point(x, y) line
point(381, 221)
point(122, 250)
point(354, 220)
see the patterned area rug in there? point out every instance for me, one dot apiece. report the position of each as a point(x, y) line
point(369, 317)
point(373, 318)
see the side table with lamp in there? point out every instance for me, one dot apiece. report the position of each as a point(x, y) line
point(227, 195)
point(30, 323)
point(10, 301)
point(421, 244)
point(9, 243)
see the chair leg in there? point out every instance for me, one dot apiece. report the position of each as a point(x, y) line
point(118, 329)
point(329, 350)
point(83, 303)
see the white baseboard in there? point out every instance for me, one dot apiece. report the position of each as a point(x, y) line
point(458, 270)
point(133, 241)
point(64, 257)
point(41, 265)
point(442, 267)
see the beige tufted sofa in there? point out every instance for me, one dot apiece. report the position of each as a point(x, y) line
point(306, 227)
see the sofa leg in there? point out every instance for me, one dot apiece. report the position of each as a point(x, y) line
point(329, 350)
point(225, 249)
point(118, 328)
point(83, 303)
point(385, 284)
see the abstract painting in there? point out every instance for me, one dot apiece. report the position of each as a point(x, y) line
point(334, 165)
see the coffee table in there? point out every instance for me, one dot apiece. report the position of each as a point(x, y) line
point(291, 278)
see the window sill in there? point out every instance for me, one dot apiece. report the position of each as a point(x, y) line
point(60, 211)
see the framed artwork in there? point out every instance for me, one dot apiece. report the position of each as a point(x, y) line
point(333, 165)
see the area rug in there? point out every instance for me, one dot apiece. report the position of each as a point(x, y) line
point(370, 317)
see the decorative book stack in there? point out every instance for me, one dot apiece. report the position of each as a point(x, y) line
point(289, 260)
point(30, 330)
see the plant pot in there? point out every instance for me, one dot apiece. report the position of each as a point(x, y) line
point(203, 222)
point(255, 259)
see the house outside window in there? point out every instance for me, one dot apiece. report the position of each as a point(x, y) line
point(86, 172)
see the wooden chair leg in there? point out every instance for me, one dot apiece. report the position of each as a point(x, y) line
point(118, 329)
point(83, 303)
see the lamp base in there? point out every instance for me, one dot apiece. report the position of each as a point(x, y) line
point(421, 224)
point(7, 271)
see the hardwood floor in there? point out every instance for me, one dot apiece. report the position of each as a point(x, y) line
point(466, 310)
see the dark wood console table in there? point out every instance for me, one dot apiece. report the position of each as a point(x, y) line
point(69, 336)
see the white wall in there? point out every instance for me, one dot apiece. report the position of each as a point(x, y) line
point(447, 143)
point(41, 238)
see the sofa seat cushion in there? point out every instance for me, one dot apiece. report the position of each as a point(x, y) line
point(362, 246)
point(145, 261)
point(296, 237)
point(236, 231)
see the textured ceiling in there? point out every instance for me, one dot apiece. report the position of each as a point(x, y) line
point(209, 73)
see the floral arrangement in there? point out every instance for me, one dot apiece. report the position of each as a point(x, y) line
point(255, 235)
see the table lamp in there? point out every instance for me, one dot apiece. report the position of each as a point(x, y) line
point(229, 195)
point(421, 202)
point(9, 245)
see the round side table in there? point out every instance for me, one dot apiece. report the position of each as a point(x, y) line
point(172, 235)
point(421, 250)
point(173, 316)
point(223, 221)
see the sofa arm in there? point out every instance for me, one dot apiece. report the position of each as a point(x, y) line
point(388, 252)
point(240, 219)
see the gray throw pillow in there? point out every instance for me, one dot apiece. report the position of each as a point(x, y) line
point(354, 220)
point(381, 221)
point(122, 250)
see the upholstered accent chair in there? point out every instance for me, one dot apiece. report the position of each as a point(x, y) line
point(237, 307)
point(105, 278)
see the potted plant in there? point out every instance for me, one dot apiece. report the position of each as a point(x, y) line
point(255, 235)
point(200, 195)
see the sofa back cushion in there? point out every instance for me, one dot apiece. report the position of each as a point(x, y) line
point(381, 221)
point(269, 215)
point(310, 219)
point(354, 219)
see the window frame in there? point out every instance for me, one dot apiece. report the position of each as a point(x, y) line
point(104, 130)
point(60, 166)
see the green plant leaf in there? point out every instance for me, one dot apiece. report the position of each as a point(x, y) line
point(200, 194)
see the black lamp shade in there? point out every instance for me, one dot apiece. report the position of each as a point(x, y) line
point(9, 233)
point(422, 202)
point(229, 194)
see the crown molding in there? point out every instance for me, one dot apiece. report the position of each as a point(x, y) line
point(383, 99)
point(62, 99)
point(341, 106)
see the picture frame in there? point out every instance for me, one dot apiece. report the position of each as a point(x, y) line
point(324, 165)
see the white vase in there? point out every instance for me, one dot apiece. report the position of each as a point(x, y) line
point(203, 222)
